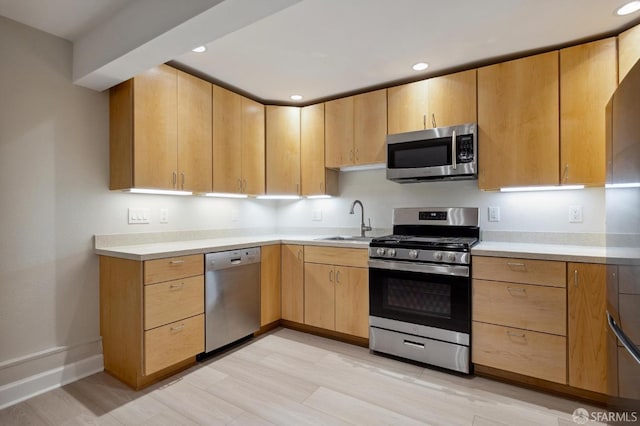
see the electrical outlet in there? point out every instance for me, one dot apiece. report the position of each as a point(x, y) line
point(317, 215)
point(575, 214)
point(494, 214)
point(137, 216)
point(164, 215)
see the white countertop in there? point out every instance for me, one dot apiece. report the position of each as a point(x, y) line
point(570, 253)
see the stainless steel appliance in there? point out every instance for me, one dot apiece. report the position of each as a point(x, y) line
point(232, 296)
point(623, 243)
point(420, 286)
point(443, 153)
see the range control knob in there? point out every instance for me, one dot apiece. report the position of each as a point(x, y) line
point(380, 251)
point(437, 255)
point(392, 252)
point(413, 254)
point(451, 257)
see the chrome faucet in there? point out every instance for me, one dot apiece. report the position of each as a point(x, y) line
point(363, 228)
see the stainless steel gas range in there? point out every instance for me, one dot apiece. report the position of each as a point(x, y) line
point(420, 286)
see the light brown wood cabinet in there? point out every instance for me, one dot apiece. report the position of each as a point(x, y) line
point(336, 294)
point(316, 178)
point(519, 316)
point(160, 132)
point(436, 102)
point(270, 292)
point(518, 123)
point(292, 257)
point(589, 357)
point(356, 128)
point(628, 50)
point(238, 143)
point(283, 150)
point(151, 316)
point(587, 82)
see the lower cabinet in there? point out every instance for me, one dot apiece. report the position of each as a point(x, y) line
point(292, 258)
point(336, 289)
point(270, 300)
point(151, 316)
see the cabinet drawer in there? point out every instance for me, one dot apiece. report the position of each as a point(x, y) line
point(172, 343)
point(172, 301)
point(526, 271)
point(530, 353)
point(173, 268)
point(337, 256)
point(531, 307)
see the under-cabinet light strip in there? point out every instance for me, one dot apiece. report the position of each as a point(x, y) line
point(540, 188)
point(157, 191)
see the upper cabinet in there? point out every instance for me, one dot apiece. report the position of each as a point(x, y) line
point(437, 102)
point(283, 150)
point(587, 82)
point(160, 132)
point(238, 144)
point(315, 178)
point(628, 50)
point(356, 128)
point(518, 112)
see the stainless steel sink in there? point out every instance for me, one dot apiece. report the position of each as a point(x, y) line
point(345, 238)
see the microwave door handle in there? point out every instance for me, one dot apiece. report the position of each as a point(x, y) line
point(454, 151)
point(622, 337)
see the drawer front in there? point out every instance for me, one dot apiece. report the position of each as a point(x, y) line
point(525, 271)
point(173, 268)
point(358, 258)
point(173, 301)
point(530, 353)
point(531, 307)
point(172, 343)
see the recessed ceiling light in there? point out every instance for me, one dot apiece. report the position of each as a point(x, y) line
point(420, 66)
point(296, 97)
point(629, 8)
point(200, 49)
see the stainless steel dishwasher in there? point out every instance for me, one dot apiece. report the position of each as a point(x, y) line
point(232, 296)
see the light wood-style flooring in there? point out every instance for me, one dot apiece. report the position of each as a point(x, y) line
point(290, 378)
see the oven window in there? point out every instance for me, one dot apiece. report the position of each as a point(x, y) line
point(413, 297)
point(410, 155)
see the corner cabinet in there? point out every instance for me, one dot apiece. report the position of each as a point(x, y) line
point(316, 179)
point(270, 274)
point(336, 289)
point(283, 150)
point(518, 122)
point(292, 256)
point(160, 132)
point(151, 316)
point(238, 144)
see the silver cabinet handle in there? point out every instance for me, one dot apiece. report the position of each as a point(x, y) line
point(522, 291)
point(331, 276)
point(424, 121)
point(177, 328)
point(454, 149)
point(176, 286)
point(513, 265)
point(300, 254)
point(433, 120)
point(514, 334)
point(575, 278)
point(565, 174)
point(182, 175)
point(414, 344)
point(338, 277)
point(176, 262)
point(175, 179)
point(239, 185)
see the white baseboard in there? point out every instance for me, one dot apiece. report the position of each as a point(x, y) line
point(18, 391)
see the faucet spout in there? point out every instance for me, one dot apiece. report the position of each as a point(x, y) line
point(363, 228)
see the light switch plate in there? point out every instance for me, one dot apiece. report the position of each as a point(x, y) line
point(139, 215)
point(164, 215)
point(494, 214)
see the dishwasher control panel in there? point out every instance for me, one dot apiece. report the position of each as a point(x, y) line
point(230, 258)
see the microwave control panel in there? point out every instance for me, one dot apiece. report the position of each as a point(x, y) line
point(464, 145)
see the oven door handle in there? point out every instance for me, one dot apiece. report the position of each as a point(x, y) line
point(455, 270)
point(622, 337)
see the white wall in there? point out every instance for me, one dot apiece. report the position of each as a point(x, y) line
point(54, 152)
point(524, 211)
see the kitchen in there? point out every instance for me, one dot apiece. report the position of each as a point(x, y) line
point(63, 202)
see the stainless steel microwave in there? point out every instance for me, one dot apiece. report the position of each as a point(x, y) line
point(443, 153)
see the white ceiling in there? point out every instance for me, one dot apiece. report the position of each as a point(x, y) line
point(316, 48)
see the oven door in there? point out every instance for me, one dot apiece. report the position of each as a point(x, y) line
point(432, 295)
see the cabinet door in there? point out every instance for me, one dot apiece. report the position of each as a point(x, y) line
point(452, 99)
point(283, 150)
point(194, 134)
point(155, 133)
point(339, 132)
point(587, 82)
point(407, 107)
point(253, 147)
point(312, 149)
point(587, 329)
point(352, 301)
point(292, 283)
point(628, 50)
point(227, 151)
point(319, 295)
point(270, 298)
point(370, 127)
point(518, 122)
